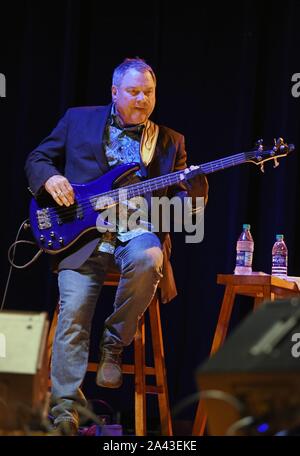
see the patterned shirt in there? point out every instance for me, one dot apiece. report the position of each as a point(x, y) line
point(122, 145)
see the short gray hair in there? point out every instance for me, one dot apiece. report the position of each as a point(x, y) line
point(137, 64)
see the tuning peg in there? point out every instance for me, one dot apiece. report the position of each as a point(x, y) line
point(262, 168)
point(278, 143)
point(259, 145)
point(291, 147)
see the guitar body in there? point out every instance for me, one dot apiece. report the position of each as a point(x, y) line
point(56, 228)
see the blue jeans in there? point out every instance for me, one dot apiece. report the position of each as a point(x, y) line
point(140, 263)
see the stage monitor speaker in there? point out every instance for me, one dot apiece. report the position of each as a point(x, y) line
point(255, 374)
point(23, 367)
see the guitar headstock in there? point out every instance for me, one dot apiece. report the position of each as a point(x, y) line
point(260, 156)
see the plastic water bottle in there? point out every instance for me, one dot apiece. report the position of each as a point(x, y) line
point(279, 257)
point(244, 252)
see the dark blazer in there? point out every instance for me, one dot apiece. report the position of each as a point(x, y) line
point(75, 149)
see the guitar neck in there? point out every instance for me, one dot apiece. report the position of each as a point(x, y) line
point(223, 163)
point(174, 178)
point(157, 183)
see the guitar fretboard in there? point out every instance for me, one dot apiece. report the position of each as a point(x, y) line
point(157, 183)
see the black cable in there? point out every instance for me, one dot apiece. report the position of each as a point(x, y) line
point(22, 266)
point(208, 394)
point(241, 423)
point(11, 257)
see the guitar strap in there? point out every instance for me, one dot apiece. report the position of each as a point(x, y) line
point(148, 142)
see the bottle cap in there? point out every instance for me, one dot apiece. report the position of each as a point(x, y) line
point(246, 226)
point(279, 237)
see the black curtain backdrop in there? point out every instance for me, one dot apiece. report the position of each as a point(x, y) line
point(224, 80)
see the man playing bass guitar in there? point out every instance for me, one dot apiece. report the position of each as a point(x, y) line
point(86, 144)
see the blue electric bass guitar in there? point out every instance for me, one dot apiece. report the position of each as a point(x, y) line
point(56, 228)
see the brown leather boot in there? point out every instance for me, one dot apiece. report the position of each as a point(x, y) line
point(109, 374)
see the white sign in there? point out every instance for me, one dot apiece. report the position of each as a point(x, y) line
point(2, 346)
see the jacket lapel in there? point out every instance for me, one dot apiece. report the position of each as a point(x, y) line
point(160, 164)
point(96, 130)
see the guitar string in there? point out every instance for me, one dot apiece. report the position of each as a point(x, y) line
point(227, 161)
point(114, 194)
point(206, 168)
point(87, 204)
point(131, 191)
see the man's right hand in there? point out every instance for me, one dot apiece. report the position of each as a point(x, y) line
point(60, 189)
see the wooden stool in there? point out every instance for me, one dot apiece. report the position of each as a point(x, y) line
point(139, 369)
point(261, 287)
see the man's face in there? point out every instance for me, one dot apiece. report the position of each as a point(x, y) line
point(135, 97)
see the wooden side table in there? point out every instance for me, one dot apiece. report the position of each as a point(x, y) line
point(258, 285)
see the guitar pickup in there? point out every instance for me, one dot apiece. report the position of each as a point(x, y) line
point(102, 202)
point(70, 214)
point(79, 211)
point(43, 218)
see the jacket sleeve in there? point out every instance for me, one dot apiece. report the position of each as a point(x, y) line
point(48, 158)
point(197, 186)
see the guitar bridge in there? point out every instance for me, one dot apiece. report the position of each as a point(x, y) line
point(43, 218)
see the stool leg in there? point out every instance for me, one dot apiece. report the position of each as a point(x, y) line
point(224, 318)
point(160, 368)
point(140, 379)
point(257, 302)
point(219, 337)
point(52, 333)
point(267, 295)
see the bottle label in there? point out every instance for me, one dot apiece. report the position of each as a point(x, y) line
point(244, 258)
point(245, 246)
point(279, 261)
point(244, 253)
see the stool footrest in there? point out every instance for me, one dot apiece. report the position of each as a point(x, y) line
point(152, 389)
point(126, 369)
